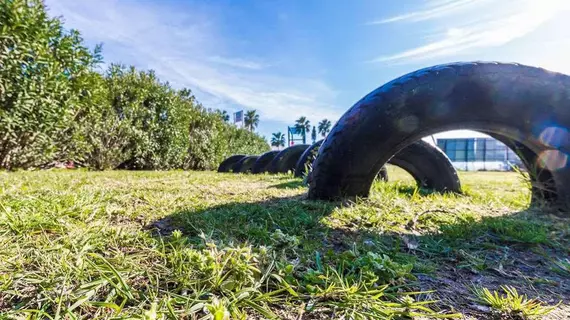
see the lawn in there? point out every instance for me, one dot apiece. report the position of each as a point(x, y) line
point(193, 245)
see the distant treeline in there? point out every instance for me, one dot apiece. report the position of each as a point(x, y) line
point(56, 107)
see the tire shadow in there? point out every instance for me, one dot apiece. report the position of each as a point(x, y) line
point(289, 185)
point(491, 252)
point(411, 191)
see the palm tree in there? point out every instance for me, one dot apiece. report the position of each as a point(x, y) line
point(278, 140)
point(324, 127)
point(251, 120)
point(224, 115)
point(302, 125)
point(314, 134)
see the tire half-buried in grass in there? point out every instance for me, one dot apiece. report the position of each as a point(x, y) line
point(526, 105)
point(262, 163)
point(429, 166)
point(245, 164)
point(286, 160)
point(228, 164)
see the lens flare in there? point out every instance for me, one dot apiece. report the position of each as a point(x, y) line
point(552, 160)
point(555, 137)
point(408, 124)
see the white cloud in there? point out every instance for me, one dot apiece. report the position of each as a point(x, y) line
point(435, 10)
point(482, 24)
point(289, 99)
point(186, 49)
point(238, 63)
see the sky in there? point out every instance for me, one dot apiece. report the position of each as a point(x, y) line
point(295, 58)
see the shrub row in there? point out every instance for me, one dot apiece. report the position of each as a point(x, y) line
point(57, 107)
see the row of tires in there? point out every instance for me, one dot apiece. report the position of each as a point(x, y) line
point(429, 166)
point(526, 108)
point(271, 162)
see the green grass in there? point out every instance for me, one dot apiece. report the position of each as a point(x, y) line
point(511, 304)
point(193, 245)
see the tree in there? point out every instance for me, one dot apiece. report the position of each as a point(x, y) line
point(302, 125)
point(314, 135)
point(251, 120)
point(324, 127)
point(224, 115)
point(278, 140)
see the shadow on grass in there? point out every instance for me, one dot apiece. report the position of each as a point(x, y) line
point(505, 250)
point(289, 185)
point(251, 222)
point(411, 191)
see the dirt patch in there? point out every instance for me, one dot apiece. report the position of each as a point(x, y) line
point(530, 273)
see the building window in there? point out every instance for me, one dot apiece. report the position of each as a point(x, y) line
point(480, 150)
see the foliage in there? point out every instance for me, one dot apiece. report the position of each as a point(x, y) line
point(314, 135)
point(324, 127)
point(278, 140)
point(43, 77)
point(224, 141)
point(251, 120)
point(512, 303)
point(56, 107)
point(105, 136)
point(224, 115)
point(149, 122)
point(562, 266)
point(302, 125)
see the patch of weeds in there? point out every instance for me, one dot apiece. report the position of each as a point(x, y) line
point(465, 228)
point(562, 266)
point(521, 231)
point(425, 267)
point(346, 299)
point(359, 286)
point(471, 261)
point(281, 240)
point(377, 268)
point(510, 304)
point(499, 229)
point(541, 281)
point(354, 292)
point(222, 268)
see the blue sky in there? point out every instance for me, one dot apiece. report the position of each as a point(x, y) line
point(292, 58)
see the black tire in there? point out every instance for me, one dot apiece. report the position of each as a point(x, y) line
point(287, 159)
point(526, 105)
point(429, 166)
point(262, 163)
point(227, 164)
point(541, 178)
point(306, 159)
point(305, 162)
point(383, 174)
point(245, 164)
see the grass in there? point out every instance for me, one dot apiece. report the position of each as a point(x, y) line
point(203, 245)
point(511, 303)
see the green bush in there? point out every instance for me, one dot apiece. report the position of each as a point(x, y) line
point(212, 140)
point(55, 107)
point(140, 123)
point(42, 79)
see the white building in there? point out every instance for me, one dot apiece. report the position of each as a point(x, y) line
point(474, 151)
